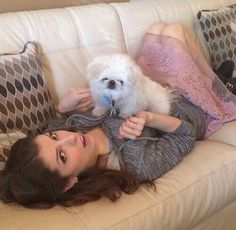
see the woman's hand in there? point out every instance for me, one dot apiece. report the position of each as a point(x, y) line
point(132, 127)
point(76, 99)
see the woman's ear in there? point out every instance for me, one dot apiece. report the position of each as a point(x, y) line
point(72, 181)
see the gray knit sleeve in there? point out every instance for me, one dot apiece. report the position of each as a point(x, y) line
point(149, 159)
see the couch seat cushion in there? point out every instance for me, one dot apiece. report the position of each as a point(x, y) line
point(199, 186)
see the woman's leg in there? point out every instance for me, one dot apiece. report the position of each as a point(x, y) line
point(156, 28)
point(177, 31)
point(181, 33)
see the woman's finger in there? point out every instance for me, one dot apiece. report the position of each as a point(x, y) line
point(138, 125)
point(84, 104)
point(137, 120)
point(80, 90)
point(82, 96)
point(130, 131)
point(123, 134)
point(85, 100)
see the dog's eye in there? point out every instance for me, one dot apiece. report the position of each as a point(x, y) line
point(104, 79)
point(121, 82)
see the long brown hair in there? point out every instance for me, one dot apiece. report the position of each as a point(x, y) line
point(26, 180)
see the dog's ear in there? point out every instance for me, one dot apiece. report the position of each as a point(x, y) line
point(95, 67)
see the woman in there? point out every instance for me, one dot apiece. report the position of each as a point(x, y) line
point(105, 155)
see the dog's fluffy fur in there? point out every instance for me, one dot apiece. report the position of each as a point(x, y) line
point(119, 78)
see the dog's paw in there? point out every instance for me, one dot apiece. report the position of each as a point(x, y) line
point(98, 112)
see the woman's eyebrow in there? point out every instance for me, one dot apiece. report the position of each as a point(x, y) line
point(48, 135)
point(57, 150)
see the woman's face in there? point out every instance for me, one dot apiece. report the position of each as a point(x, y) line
point(67, 152)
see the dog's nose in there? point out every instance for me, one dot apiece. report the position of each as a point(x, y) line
point(111, 84)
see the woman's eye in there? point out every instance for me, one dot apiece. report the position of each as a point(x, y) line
point(62, 156)
point(53, 136)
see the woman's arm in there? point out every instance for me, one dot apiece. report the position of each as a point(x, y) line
point(75, 100)
point(152, 152)
point(149, 156)
point(149, 159)
point(133, 126)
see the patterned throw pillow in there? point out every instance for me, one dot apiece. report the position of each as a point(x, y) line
point(25, 103)
point(219, 29)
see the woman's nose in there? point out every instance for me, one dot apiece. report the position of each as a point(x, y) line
point(70, 140)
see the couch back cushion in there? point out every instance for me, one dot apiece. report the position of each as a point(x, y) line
point(70, 37)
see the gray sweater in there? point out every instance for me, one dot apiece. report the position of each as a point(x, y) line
point(154, 152)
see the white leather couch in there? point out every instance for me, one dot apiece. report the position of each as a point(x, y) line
point(199, 193)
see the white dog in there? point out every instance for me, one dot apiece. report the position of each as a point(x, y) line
point(116, 82)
